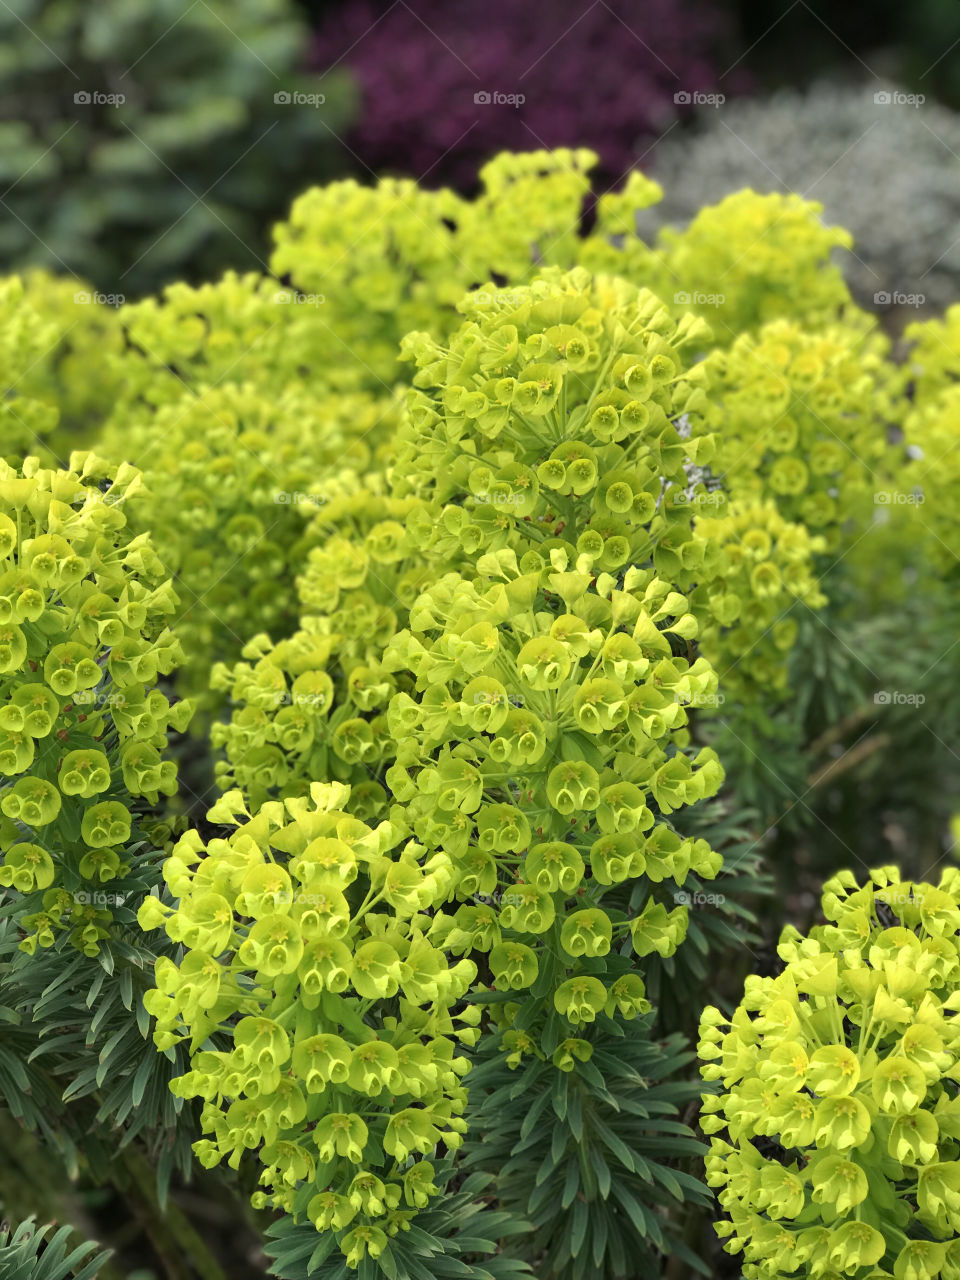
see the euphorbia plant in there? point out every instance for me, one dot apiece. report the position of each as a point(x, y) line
point(83, 639)
point(536, 745)
point(307, 941)
point(836, 1121)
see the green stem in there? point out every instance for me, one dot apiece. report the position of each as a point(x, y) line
point(179, 1245)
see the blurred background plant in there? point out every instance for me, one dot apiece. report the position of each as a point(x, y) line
point(445, 84)
point(140, 142)
point(840, 145)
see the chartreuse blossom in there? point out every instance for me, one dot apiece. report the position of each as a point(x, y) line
point(393, 257)
point(25, 421)
point(550, 423)
point(235, 473)
point(753, 258)
point(749, 607)
point(805, 415)
point(309, 943)
point(924, 514)
point(57, 344)
point(541, 736)
point(84, 606)
point(498, 644)
point(314, 705)
point(934, 356)
point(240, 403)
point(835, 1130)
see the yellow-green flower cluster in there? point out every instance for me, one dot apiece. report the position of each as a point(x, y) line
point(749, 607)
point(313, 706)
point(755, 258)
point(76, 372)
point(233, 377)
point(805, 414)
point(542, 750)
point(923, 489)
point(382, 258)
point(527, 216)
point(497, 647)
point(836, 1147)
point(239, 329)
point(309, 942)
point(83, 638)
point(57, 337)
point(391, 258)
point(550, 422)
point(26, 420)
point(374, 549)
point(394, 257)
point(922, 534)
point(933, 363)
point(235, 474)
point(545, 732)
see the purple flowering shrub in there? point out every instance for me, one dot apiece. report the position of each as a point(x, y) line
point(447, 83)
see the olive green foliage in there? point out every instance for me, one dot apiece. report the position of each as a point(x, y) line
point(582, 1153)
point(29, 1252)
point(141, 141)
point(456, 1236)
